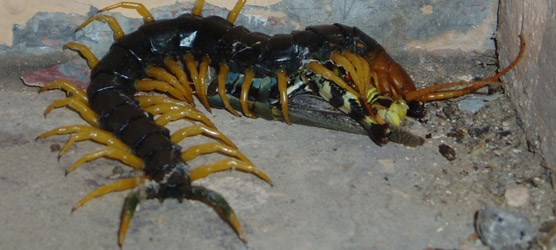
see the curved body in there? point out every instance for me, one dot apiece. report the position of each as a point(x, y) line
point(113, 79)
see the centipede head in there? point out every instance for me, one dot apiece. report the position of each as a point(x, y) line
point(390, 79)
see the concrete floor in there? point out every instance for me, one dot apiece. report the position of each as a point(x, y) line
point(331, 190)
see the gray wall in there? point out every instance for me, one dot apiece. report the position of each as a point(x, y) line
point(532, 85)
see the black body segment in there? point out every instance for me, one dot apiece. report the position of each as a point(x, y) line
point(113, 79)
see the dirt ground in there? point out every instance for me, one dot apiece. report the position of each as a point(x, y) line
point(332, 190)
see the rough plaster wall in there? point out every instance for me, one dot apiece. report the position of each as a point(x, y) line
point(533, 84)
point(19, 11)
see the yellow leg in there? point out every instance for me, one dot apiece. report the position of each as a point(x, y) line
point(163, 75)
point(98, 136)
point(198, 8)
point(198, 129)
point(213, 147)
point(282, 88)
point(342, 61)
point(150, 100)
point(83, 132)
point(64, 130)
point(185, 112)
point(109, 152)
point(110, 20)
point(318, 68)
point(78, 105)
point(202, 86)
point(150, 85)
point(362, 71)
point(228, 164)
point(116, 186)
point(70, 88)
point(173, 66)
point(234, 13)
point(139, 7)
point(84, 51)
point(161, 109)
point(198, 77)
point(245, 87)
point(224, 69)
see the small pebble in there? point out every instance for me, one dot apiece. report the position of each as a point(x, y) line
point(117, 170)
point(499, 229)
point(516, 197)
point(448, 152)
point(55, 147)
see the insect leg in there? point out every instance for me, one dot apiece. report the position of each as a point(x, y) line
point(184, 112)
point(162, 75)
point(139, 7)
point(282, 88)
point(118, 185)
point(110, 20)
point(222, 74)
point(176, 69)
point(83, 132)
point(197, 129)
point(220, 205)
point(228, 164)
point(124, 156)
point(198, 77)
point(130, 205)
point(247, 81)
point(84, 51)
point(234, 13)
point(78, 105)
point(319, 69)
point(198, 8)
point(70, 88)
point(150, 85)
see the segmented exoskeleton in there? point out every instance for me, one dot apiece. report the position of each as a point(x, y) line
point(226, 66)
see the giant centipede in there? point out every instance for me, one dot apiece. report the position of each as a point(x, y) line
point(230, 67)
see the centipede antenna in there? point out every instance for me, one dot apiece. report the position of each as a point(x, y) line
point(515, 62)
point(434, 93)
